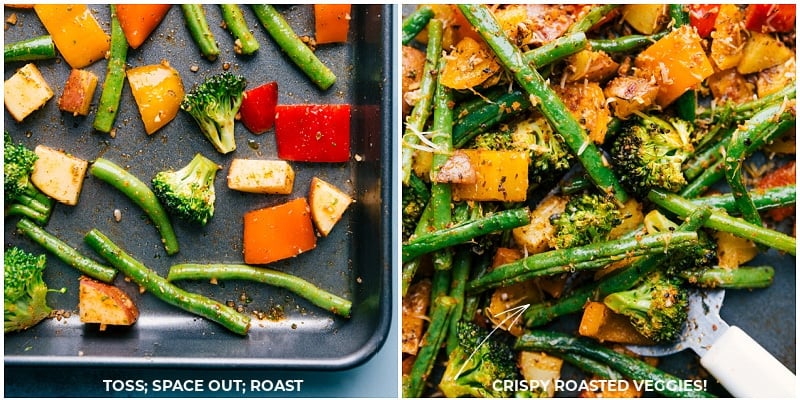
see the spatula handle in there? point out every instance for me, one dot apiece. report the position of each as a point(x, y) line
point(745, 369)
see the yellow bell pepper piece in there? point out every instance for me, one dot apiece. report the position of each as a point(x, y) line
point(76, 33)
point(158, 91)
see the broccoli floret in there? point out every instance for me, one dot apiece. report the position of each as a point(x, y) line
point(587, 218)
point(214, 104)
point(549, 155)
point(658, 307)
point(493, 360)
point(649, 152)
point(415, 198)
point(21, 196)
point(188, 193)
point(691, 259)
point(24, 289)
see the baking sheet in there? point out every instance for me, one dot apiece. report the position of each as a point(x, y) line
point(354, 261)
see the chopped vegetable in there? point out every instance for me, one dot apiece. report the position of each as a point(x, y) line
point(78, 92)
point(36, 48)
point(261, 176)
point(313, 132)
point(645, 18)
point(678, 63)
point(158, 91)
point(278, 232)
point(104, 304)
point(65, 252)
point(188, 193)
point(331, 22)
point(108, 107)
point(24, 289)
point(214, 104)
point(136, 190)
point(298, 52)
point(21, 196)
point(762, 51)
point(245, 42)
point(78, 36)
point(58, 174)
point(501, 175)
point(196, 22)
point(25, 92)
point(767, 18)
point(297, 285)
point(702, 18)
point(328, 203)
point(600, 323)
point(138, 21)
point(257, 112)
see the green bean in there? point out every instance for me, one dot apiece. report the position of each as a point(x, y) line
point(546, 99)
point(763, 199)
point(108, 106)
point(141, 195)
point(633, 368)
point(196, 22)
point(415, 124)
point(65, 252)
point(624, 44)
point(723, 222)
point(245, 42)
point(415, 22)
point(295, 284)
point(743, 277)
point(588, 257)
point(591, 18)
point(462, 262)
point(290, 43)
point(32, 49)
point(464, 232)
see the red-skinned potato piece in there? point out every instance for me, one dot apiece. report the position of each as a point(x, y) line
point(313, 132)
point(257, 112)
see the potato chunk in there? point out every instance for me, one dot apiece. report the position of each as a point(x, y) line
point(58, 174)
point(105, 304)
point(328, 204)
point(25, 92)
point(261, 176)
point(78, 92)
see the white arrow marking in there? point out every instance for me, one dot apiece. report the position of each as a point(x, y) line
point(516, 312)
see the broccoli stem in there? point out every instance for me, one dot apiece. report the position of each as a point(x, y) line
point(624, 44)
point(464, 232)
point(744, 277)
point(163, 289)
point(27, 212)
point(234, 20)
point(415, 22)
point(108, 106)
point(595, 15)
point(414, 382)
point(627, 278)
point(546, 99)
point(635, 369)
point(31, 49)
point(580, 258)
point(763, 199)
point(723, 222)
point(66, 253)
point(415, 122)
point(289, 42)
point(140, 194)
point(196, 22)
point(295, 284)
point(32, 203)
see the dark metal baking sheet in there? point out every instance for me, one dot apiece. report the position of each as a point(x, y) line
point(353, 262)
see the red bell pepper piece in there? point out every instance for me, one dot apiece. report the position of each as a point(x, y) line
point(783, 175)
point(702, 17)
point(313, 132)
point(257, 112)
point(766, 18)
